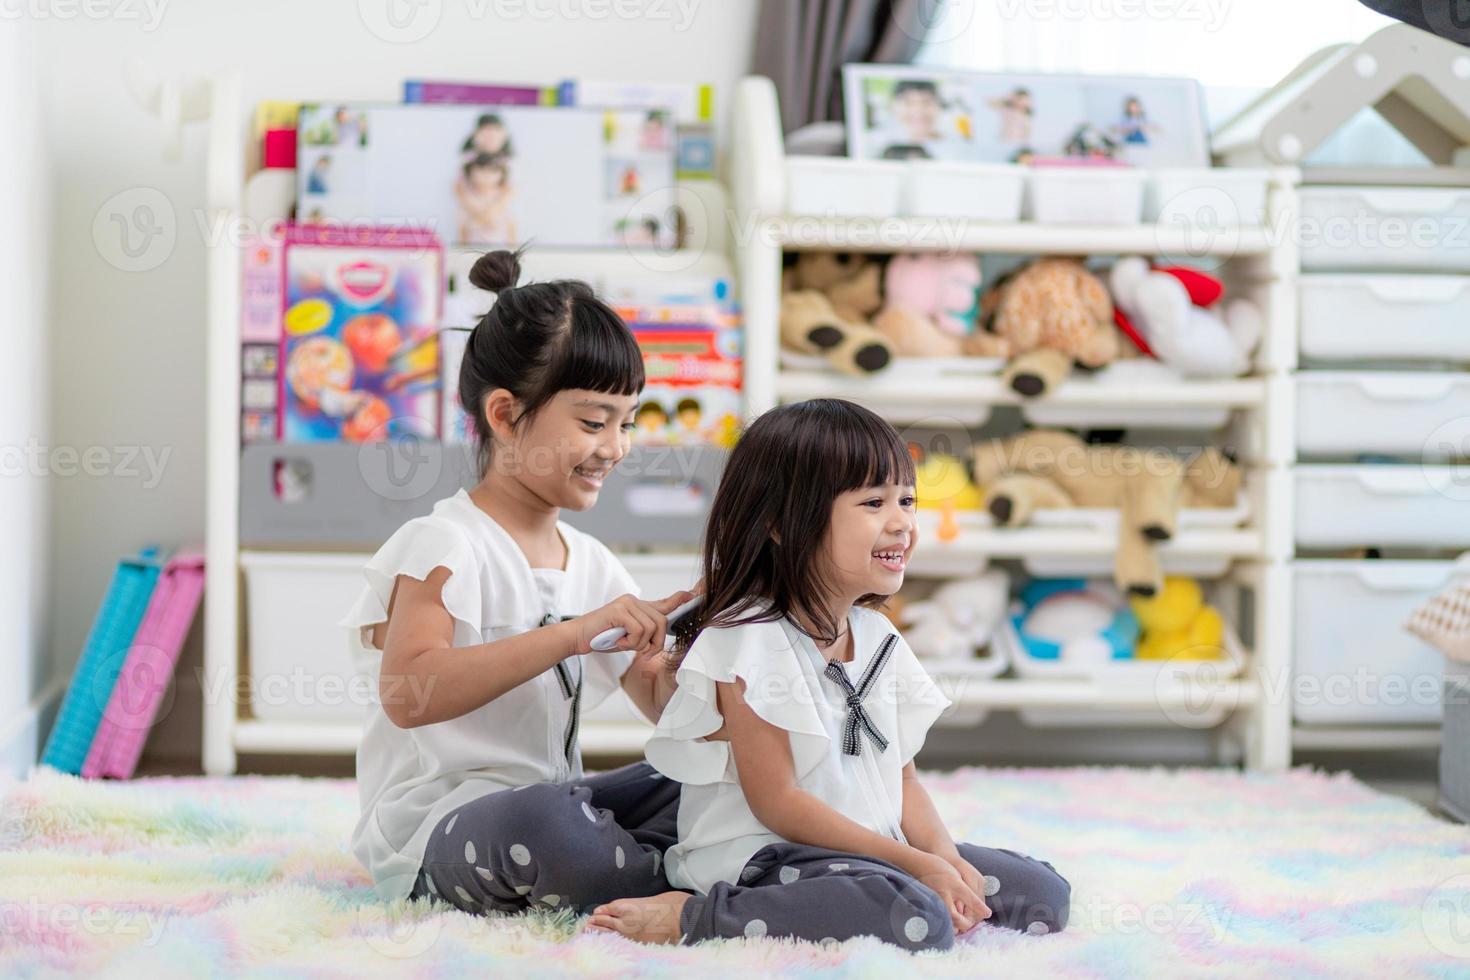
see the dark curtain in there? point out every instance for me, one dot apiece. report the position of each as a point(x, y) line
point(1447, 18)
point(802, 45)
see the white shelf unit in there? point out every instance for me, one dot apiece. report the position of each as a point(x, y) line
point(1257, 410)
point(229, 728)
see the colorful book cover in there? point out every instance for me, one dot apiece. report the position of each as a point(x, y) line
point(692, 395)
point(470, 93)
point(359, 349)
point(687, 109)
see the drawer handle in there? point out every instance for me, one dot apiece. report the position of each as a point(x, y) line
point(1403, 579)
point(1413, 202)
point(1420, 291)
point(1405, 481)
point(1423, 388)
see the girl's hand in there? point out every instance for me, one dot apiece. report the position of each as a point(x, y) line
point(969, 874)
point(645, 623)
point(965, 904)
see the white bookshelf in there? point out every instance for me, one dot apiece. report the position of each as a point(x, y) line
point(1256, 411)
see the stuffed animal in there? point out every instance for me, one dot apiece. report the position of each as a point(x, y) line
point(1177, 312)
point(825, 302)
point(941, 481)
point(1177, 624)
point(1050, 313)
point(1050, 468)
point(1084, 624)
point(930, 303)
point(959, 618)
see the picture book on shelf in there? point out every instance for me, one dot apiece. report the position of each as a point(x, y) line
point(470, 93)
point(489, 175)
point(359, 347)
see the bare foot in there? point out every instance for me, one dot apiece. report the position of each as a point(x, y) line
point(648, 920)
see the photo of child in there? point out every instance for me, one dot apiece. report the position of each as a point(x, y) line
point(316, 180)
point(484, 195)
point(898, 112)
point(912, 119)
point(1015, 111)
point(490, 138)
point(1134, 126)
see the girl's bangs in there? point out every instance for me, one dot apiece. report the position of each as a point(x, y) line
point(600, 353)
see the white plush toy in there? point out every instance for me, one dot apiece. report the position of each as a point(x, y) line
point(959, 618)
point(1201, 342)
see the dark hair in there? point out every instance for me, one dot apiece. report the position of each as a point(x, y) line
point(921, 86)
point(905, 151)
point(484, 161)
point(539, 339)
point(780, 482)
point(488, 119)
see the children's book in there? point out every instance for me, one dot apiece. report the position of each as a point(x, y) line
point(471, 93)
point(359, 347)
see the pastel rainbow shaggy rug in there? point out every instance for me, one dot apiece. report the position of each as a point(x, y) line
point(1191, 873)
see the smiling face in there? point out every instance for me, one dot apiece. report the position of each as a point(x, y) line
point(870, 539)
point(917, 111)
point(567, 449)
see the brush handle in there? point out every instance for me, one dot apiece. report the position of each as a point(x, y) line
point(608, 640)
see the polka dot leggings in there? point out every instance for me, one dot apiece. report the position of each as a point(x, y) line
point(555, 845)
point(815, 894)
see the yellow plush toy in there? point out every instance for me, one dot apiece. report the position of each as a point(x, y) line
point(942, 480)
point(1177, 624)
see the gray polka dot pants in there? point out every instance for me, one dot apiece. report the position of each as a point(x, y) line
point(555, 845)
point(792, 890)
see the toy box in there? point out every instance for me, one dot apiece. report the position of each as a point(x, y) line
point(359, 347)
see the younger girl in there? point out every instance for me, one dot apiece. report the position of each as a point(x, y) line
point(478, 618)
point(799, 710)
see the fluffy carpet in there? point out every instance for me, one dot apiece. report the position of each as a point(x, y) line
point(1174, 873)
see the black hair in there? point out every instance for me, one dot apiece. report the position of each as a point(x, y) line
point(489, 119)
point(486, 161)
point(905, 151)
point(539, 339)
point(820, 449)
point(915, 85)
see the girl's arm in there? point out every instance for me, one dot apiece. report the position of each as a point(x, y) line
point(649, 683)
point(425, 678)
point(767, 775)
point(922, 825)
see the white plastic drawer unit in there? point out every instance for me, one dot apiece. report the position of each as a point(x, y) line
point(1410, 506)
point(1424, 228)
point(1400, 413)
point(1354, 661)
point(838, 187)
point(299, 660)
point(1385, 317)
point(1084, 195)
point(978, 191)
point(1206, 198)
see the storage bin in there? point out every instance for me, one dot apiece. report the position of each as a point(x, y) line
point(1382, 505)
point(838, 187)
point(1416, 414)
point(1385, 317)
point(299, 659)
point(1385, 228)
point(1206, 197)
point(978, 191)
point(1454, 743)
point(1085, 195)
point(1354, 661)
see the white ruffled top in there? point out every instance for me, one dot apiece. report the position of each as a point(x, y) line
point(409, 778)
point(785, 685)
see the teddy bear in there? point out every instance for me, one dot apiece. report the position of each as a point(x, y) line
point(1049, 468)
point(930, 305)
point(826, 300)
point(1050, 313)
point(1179, 314)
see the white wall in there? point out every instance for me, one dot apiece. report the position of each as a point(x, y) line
point(23, 327)
point(127, 347)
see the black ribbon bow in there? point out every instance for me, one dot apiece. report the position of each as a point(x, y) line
point(568, 690)
point(857, 716)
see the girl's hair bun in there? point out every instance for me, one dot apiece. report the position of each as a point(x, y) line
point(496, 271)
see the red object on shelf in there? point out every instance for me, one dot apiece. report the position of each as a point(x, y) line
point(1203, 288)
point(278, 150)
point(1131, 332)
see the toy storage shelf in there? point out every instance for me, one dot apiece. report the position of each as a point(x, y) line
point(812, 232)
point(1254, 555)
